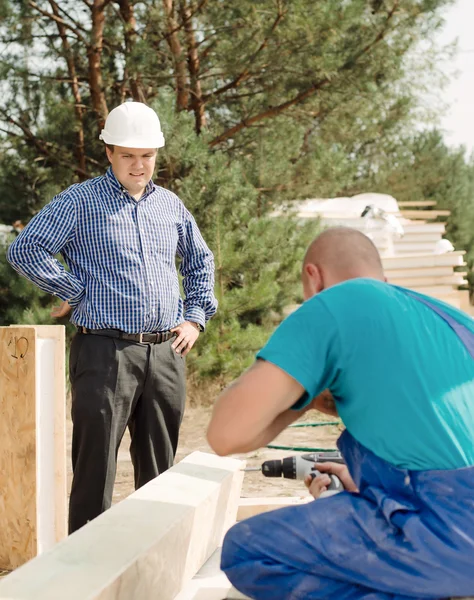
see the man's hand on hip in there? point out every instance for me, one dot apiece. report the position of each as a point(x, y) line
point(62, 310)
point(187, 334)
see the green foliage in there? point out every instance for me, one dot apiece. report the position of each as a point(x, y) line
point(262, 103)
point(257, 258)
point(20, 301)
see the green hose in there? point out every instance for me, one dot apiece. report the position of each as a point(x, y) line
point(304, 448)
point(316, 424)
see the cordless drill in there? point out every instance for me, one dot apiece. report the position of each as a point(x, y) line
point(299, 466)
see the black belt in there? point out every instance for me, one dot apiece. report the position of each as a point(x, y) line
point(142, 338)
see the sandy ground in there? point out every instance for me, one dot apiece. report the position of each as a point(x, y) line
point(192, 438)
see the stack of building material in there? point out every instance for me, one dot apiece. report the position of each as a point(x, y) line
point(430, 274)
point(147, 547)
point(411, 252)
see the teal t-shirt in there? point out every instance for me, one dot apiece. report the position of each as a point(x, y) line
point(402, 380)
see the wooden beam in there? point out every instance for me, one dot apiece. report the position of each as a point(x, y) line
point(417, 261)
point(421, 272)
point(419, 227)
point(419, 237)
point(32, 442)
point(210, 583)
point(424, 214)
point(147, 546)
point(18, 539)
point(236, 595)
point(454, 280)
point(249, 507)
point(417, 203)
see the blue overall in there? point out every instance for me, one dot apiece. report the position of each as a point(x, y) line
point(407, 535)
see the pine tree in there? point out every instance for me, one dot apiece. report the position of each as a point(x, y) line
point(262, 102)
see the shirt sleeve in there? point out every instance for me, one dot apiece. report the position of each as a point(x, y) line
point(306, 346)
point(32, 253)
point(197, 269)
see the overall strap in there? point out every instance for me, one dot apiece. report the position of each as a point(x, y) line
point(464, 334)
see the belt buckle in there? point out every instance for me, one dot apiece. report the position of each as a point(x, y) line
point(140, 338)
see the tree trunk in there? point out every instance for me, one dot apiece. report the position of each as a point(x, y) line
point(172, 37)
point(78, 106)
point(197, 101)
point(94, 54)
point(130, 26)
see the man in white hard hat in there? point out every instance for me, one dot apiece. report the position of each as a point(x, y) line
point(119, 234)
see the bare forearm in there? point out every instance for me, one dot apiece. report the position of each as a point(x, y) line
point(280, 423)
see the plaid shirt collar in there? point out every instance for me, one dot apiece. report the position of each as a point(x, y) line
point(118, 187)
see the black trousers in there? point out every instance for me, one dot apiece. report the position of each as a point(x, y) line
point(116, 384)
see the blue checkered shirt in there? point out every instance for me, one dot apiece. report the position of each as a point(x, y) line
point(121, 256)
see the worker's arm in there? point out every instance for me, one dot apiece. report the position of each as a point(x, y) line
point(298, 363)
point(254, 409)
point(32, 253)
point(197, 269)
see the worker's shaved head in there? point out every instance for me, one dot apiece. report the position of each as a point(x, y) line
point(339, 254)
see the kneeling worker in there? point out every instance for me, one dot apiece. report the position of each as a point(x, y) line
point(399, 368)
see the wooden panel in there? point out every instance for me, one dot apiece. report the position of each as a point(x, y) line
point(52, 467)
point(236, 595)
point(419, 237)
point(437, 291)
point(145, 547)
point(210, 583)
point(421, 272)
point(58, 334)
point(17, 446)
point(419, 227)
point(429, 260)
point(424, 214)
point(453, 280)
point(249, 507)
point(417, 203)
point(402, 247)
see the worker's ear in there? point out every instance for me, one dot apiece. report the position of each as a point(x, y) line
point(312, 280)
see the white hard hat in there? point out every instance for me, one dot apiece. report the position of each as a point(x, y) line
point(133, 125)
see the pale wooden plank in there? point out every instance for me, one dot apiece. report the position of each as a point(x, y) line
point(416, 203)
point(416, 261)
point(453, 280)
point(57, 333)
point(210, 583)
point(145, 547)
point(249, 507)
point(401, 247)
point(437, 291)
point(412, 227)
point(57, 495)
point(421, 272)
point(236, 595)
point(424, 214)
point(417, 237)
point(18, 541)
